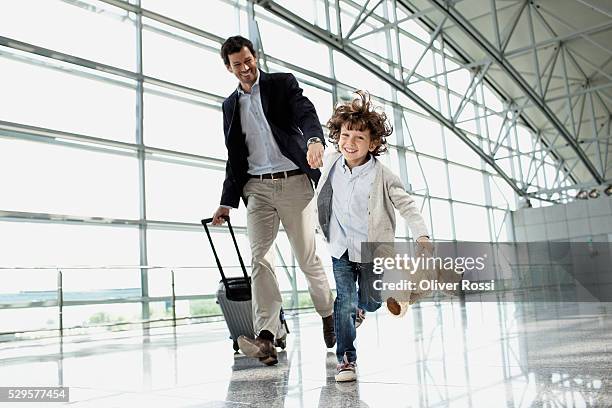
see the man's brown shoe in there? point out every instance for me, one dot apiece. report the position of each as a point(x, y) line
point(329, 334)
point(269, 361)
point(259, 348)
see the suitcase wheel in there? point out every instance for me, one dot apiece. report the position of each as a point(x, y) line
point(236, 348)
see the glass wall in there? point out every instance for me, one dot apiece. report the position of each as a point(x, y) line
point(111, 147)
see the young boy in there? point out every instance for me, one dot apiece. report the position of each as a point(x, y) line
point(356, 197)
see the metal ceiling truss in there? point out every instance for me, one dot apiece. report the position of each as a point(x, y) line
point(396, 78)
point(564, 107)
point(560, 95)
point(542, 79)
point(562, 85)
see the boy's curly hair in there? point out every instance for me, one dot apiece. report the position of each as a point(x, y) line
point(360, 114)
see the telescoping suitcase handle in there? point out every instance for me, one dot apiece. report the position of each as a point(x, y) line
point(205, 223)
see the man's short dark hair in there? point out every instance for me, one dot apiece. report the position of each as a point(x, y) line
point(233, 45)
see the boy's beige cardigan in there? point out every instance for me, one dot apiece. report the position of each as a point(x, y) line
point(387, 193)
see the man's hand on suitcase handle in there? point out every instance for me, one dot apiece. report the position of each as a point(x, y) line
point(220, 215)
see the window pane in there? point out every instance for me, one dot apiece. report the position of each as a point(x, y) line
point(524, 139)
point(426, 135)
point(440, 212)
point(503, 223)
point(213, 16)
point(471, 223)
point(105, 33)
point(411, 52)
point(93, 315)
point(191, 248)
point(415, 174)
point(390, 159)
point(459, 152)
point(184, 62)
point(38, 244)
point(426, 91)
point(89, 284)
point(459, 81)
point(466, 184)
point(64, 180)
point(357, 77)
point(321, 99)
point(435, 173)
point(47, 97)
point(304, 9)
point(466, 120)
point(502, 195)
point(497, 133)
point(277, 39)
point(33, 318)
point(26, 285)
point(552, 174)
point(182, 125)
point(492, 101)
point(182, 193)
point(504, 161)
point(372, 41)
point(527, 167)
point(409, 104)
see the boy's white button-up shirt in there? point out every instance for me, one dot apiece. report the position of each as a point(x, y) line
point(349, 216)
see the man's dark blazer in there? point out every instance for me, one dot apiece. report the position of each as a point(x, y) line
point(292, 119)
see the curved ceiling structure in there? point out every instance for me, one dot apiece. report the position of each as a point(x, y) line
point(548, 61)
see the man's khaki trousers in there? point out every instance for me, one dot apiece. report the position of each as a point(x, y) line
point(287, 200)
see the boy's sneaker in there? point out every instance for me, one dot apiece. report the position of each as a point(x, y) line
point(346, 371)
point(359, 317)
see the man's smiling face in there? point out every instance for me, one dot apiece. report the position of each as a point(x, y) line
point(243, 65)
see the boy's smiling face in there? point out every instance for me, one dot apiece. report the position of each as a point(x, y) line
point(355, 146)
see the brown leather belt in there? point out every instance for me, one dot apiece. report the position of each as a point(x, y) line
point(279, 175)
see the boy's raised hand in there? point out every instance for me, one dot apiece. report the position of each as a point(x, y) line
point(314, 156)
point(423, 243)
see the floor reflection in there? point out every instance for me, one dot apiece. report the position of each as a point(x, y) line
point(438, 355)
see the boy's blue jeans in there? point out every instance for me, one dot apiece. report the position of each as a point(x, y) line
point(348, 299)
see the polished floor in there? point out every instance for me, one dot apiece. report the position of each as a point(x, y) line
point(438, 355)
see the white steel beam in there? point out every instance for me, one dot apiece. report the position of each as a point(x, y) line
point(476, 36)
point(340, 44)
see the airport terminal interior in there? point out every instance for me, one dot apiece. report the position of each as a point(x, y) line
point(112, 152)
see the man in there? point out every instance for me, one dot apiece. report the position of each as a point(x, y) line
point(273, 137)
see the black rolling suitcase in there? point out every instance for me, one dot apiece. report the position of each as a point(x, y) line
point(234, 296)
